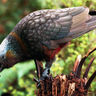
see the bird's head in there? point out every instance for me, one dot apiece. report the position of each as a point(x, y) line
point(8, 57)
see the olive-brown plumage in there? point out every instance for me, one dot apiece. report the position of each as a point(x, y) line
point(42, 34)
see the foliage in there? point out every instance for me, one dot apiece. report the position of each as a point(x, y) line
point(21, 76)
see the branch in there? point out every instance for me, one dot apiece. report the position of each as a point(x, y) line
point(87, 69)
point(90, 80)
point(76, 64)
point(78, 72)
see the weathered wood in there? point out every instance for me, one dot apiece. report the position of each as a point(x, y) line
point(62, 86)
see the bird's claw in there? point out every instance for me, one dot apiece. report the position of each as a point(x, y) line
point(44, 76)
point(46, 73)
point(41, 79)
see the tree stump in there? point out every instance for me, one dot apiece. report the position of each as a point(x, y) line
point(66, 85)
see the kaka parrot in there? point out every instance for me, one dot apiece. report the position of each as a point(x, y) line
point(42, 34)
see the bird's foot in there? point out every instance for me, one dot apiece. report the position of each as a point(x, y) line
point(45, 75)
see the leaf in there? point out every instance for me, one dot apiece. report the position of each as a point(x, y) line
point(8, 76)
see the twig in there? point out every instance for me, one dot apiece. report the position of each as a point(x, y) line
point(90, 80)
point(76, 64)
point(35, 80)
point(82, 62)
point(87, 69)
point(78, 72)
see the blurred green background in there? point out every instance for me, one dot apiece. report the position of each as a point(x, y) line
point(18, 80)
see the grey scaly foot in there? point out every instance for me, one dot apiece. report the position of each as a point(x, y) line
point(44, 76)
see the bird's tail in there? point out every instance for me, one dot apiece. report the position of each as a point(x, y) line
point(87, 25)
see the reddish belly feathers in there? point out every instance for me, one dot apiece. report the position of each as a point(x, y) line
point(51, 53)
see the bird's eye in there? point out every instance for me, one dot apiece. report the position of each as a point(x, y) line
point(2, 57)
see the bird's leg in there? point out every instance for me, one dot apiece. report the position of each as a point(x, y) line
point(47, 68)
point(42, 74)
point(39, 68)
point(46, 72)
